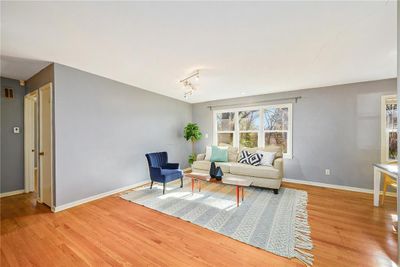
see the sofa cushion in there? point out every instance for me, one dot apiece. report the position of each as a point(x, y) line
point(208, 153)
point(274, 148)
point(267, 157)
point(232, 152)
point(250, 158)
point(205, 165)
point(255, 171)
point(267, 148)
point(171, 174)
point(219, 154)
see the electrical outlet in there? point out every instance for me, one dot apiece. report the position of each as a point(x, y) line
point(327, 172)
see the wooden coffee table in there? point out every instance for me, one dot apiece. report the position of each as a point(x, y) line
point(197, 176)
point(240, 183)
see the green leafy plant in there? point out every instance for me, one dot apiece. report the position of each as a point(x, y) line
point(192, 133)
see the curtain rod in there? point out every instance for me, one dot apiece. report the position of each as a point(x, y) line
point(296, 98)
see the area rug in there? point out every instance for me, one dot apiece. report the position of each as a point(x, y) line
point(275, 223)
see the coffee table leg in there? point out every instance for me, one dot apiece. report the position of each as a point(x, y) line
point(199, 185)
point(192, 184)
point(237, 196)
point(242, 193)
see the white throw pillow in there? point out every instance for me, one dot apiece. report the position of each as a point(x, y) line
point(208, 153)
point(267, 158)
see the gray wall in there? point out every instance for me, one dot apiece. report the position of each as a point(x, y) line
point(103, 129)
point(12, 145)
point(336, 127)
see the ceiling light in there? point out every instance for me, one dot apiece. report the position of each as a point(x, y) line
point(188, 85)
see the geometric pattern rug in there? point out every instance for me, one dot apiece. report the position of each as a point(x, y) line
point(275, 223)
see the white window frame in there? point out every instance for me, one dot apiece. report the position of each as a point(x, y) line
point(261, 131)
point(384, 133)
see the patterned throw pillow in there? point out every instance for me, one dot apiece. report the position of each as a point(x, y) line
point(250, 158)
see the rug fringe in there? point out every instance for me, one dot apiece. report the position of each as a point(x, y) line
point(302, 232)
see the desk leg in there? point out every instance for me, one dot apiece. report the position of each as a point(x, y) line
point(237, 196)
point(377, 186)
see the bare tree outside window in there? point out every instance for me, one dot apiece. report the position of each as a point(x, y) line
point(249, 125)
point(226, 121)
point(276, 127)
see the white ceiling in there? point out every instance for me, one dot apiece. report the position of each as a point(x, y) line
point(19, 68)
point(241, 48)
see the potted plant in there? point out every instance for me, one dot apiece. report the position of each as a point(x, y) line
point(192, 133)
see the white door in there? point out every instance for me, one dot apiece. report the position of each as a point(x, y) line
point(29, 141)
point(46, 145)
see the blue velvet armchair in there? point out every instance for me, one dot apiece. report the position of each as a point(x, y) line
point(161, 171)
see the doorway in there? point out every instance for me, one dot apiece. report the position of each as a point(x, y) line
point(38, 137)
point(31, 142)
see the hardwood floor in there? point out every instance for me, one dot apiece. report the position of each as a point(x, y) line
point(346, 231)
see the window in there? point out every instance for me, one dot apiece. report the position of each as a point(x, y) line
point(249, 125)
point(276, 126)
point(255, 127)
point(225, 127)
point(389, 129)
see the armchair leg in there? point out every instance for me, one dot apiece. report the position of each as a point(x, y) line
point(163, 191)
point(181, 182)
point(151, 185)
point(276, 191)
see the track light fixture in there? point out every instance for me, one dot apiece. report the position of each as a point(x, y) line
point(188, 84)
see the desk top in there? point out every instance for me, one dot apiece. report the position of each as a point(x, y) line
point(392, 168)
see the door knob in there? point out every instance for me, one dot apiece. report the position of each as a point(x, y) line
point(41, 154)
point(33, 150)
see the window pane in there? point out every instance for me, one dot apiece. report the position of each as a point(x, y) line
point(226, 121)
point(391, 116)
point(393, 145)
point(277, 139)
point(248, 140)
point(225, 138)
point(249, 120)
point(276, 119)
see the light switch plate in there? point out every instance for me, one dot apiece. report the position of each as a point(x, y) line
point(16, 130)
point(327, 172)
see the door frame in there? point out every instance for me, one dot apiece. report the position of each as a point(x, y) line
point(30, 140)
point(50, 87)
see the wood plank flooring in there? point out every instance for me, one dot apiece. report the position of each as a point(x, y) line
point(346, 230)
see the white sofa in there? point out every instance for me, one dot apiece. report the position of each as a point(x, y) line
point(261, 176)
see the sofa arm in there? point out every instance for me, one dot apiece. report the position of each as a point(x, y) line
point(278, 164)
point(201, 156)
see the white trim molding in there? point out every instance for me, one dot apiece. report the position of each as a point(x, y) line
point(12, 193)
point(334, 186)
point(98, 196)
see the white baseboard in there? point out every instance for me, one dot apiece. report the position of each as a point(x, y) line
point(16, 192)
point(88, 199)
point(333, 186)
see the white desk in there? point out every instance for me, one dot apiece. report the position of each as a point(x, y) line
point(390, 169)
